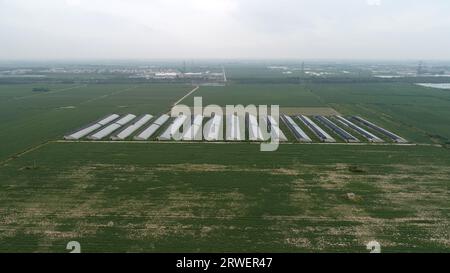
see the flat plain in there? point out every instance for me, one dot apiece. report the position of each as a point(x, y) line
point(158, 197)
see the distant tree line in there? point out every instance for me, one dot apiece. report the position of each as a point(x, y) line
point(299, 80)
point(41, 89)
point(239, 80)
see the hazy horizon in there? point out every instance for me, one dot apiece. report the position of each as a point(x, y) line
point(359, 30)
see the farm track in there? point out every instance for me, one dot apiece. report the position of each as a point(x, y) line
point(33, 148)
point(185, 96)
point(245, 142)
point(29, 150)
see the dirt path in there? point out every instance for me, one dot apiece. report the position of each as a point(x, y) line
point(29, 150)
point(187, 95)
point(224, 74)
point(242, 142)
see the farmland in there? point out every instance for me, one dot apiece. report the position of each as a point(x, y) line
point(29, 119)
point(418, 113)
point(155, 197)
point(212, 197)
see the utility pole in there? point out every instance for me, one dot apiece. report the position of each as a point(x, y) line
point(302, 73)
point(420, 69)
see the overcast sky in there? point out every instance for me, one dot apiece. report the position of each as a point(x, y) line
point(148, 29)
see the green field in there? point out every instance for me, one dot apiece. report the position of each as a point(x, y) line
point(30, 118)
point(285, 95)
point(419, 114)
point(222, 197)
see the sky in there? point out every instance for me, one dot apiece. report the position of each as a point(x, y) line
point(224, 29)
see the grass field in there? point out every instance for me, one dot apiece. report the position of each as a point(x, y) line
point(285, 95)
point(212, 197)
point(420, 114)
point(222, 197)
point(29, 118)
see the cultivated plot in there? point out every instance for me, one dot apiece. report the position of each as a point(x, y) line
point(166, 197)
point(155, 196)
point(36, 118)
